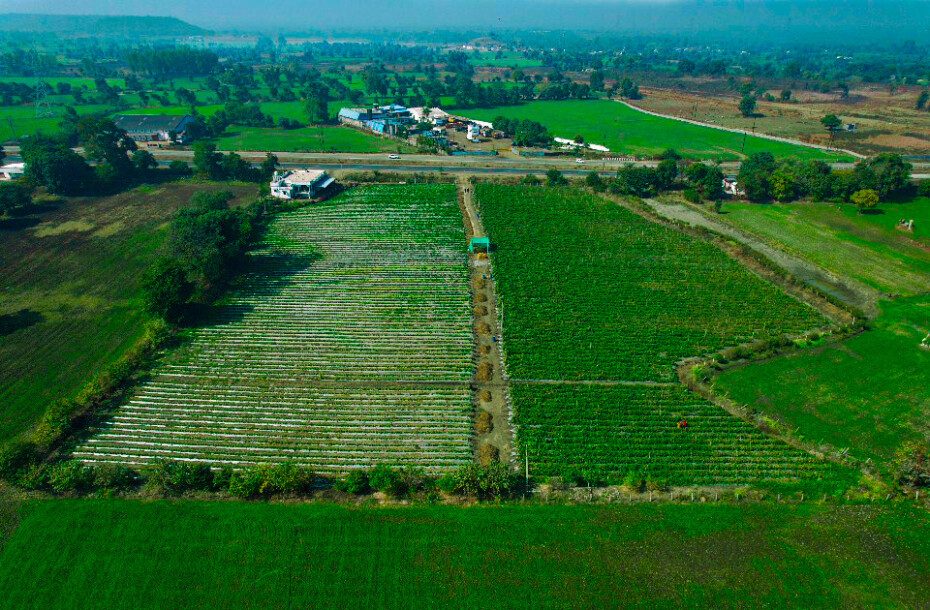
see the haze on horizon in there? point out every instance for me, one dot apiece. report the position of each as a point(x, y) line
point(884, 19)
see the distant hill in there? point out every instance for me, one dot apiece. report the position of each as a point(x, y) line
point(98, 25)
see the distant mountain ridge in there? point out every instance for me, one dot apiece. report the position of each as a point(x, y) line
point(114, 25)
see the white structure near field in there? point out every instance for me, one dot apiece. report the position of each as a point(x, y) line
point(12, 171)
point(299, 184)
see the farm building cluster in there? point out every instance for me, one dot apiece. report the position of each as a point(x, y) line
point(155, 131)
point(300, 184)
point(436, 126)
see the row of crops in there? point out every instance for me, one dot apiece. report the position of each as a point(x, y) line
point(609, 434)
point(590, 291)
point(347, 343)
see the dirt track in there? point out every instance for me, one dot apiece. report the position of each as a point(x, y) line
point(845, 290)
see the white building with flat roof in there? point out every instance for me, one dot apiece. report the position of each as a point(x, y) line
point(12, 171)
point(299, 184)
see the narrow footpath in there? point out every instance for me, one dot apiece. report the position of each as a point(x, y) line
point(494, 439)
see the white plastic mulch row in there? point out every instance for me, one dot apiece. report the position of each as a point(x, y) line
point(371, 287)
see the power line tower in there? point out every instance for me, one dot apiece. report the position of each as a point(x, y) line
point(43, 107)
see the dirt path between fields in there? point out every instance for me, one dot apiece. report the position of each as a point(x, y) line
point(845, 290)
point(746, 132)
point(494, 438)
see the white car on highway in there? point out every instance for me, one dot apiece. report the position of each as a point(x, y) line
point(579, 160)
point(393, 156)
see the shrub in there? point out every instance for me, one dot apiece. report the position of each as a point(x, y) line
point(246, 483)
point(923, 188)
point(16, 458)
point(115, 476)
point(485, 482)
point(181, 476)
point(285, 478)
point(692, 196)
point(385, 479)
point(221, 478)
point(33, 477)
point(488, 454)
point(70, 476)
point(912, 465)
point(866, 199)
point(180, 168)
point(55, 422)
point(356, 482)
point(484, 422)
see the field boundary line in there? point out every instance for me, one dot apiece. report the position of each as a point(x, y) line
point(745, 132)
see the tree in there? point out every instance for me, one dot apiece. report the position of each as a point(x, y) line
point(2, 155)
point(707, 180)
point(144, 164)
point(667, 173)
point(58, 168)
point(887, 174)
point(316, 105)
point(866, 199)
point(597, 80)
point(579, 139)
point(166, 290)
point(629, 90)
point(747, 105)
point(208, 161)
point(14, 196)
point(785, 95)
point(268, 167)
point(923, 99)
point(593, 181)
point(107, 143)
point(555, 178)
point(754, 175)
point(832, 123)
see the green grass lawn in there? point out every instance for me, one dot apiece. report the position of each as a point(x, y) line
point(865, 247)
point(870, 393)
point(627, 131)
point(69, 292)
point(128, 554)
point(308, 139)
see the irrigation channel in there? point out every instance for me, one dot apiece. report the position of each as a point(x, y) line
point(493, 434)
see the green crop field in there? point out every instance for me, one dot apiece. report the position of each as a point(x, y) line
point(865, 247)
point(308, 139)
point(125, 554)
point(69, 292)
point(592, 291)
point(630, 132)
point(869, 393)
point(608, 435)
point(348, 343)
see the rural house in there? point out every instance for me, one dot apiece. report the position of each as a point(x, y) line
point(299, 184)
point(154, 131)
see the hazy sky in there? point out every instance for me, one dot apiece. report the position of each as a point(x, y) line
point(617, 15)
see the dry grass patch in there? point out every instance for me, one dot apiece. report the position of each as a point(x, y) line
point(484, 422)
point(486, 395)
point(481, 310)
point(485, 372)
point(488, 454)
point(481, 297)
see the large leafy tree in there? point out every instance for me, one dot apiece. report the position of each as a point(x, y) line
point(755, 174)
point(166, 290)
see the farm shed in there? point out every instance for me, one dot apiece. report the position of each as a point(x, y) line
point(152, 130)
point(479, 244)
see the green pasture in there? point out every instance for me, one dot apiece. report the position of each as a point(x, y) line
point(630, 132)
point(161, 554)
point(308, 139)
point(870, 394)
point(70, 299)
point(865, 247)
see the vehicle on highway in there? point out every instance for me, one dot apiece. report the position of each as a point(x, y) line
point(393, 156)
point(579, 160)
